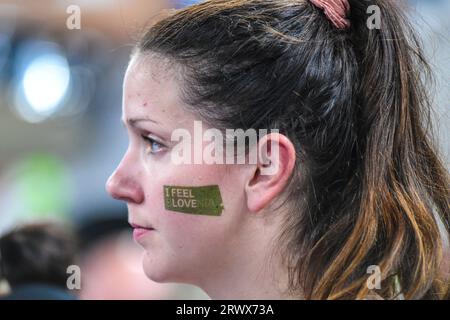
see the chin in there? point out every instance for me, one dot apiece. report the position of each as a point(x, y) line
point(163, 273)
point(156, 271)
point(153, 271)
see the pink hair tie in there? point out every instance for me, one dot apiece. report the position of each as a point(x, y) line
point(335, 10)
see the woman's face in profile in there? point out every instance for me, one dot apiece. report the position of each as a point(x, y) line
point(183, 247)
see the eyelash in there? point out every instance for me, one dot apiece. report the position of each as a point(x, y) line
point(150, 142)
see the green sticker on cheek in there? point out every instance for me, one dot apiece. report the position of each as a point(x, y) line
point(205, 200)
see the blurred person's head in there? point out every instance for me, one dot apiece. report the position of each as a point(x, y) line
point(37, 253)
point(357, 180)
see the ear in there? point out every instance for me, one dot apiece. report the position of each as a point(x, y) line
point(276, 160)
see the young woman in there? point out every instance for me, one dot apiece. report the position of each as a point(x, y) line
point(357, 204)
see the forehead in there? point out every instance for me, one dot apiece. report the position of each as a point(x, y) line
point(151, 88)
point(149, 67)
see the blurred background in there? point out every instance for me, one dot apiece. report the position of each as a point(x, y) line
point(60, 131)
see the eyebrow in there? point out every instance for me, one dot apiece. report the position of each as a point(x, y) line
point(132, 121)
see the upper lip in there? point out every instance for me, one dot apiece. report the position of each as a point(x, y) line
point(135, 225)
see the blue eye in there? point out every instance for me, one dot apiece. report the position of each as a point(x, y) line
point(152, 145)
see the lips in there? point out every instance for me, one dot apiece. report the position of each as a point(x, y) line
point(140, 231)
point(138, 226)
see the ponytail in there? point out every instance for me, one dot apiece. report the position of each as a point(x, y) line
point(404, 211)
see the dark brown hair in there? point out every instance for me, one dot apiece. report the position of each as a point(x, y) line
point(37, 253)
point(369, 187)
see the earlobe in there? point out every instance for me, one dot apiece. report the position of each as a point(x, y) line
point(270, 175)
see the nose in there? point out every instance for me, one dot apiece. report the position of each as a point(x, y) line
point(123, 185)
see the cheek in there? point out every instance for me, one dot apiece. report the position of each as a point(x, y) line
point(182, 229)
point(194, 245)
point(187, 246)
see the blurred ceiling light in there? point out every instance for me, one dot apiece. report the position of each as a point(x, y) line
point(43, 85)
point(45, 82)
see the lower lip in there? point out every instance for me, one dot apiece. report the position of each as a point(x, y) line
point(141, 232)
